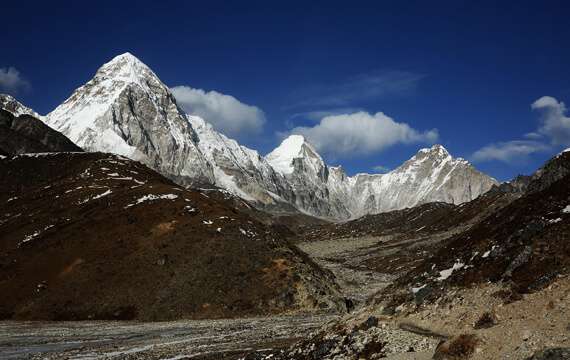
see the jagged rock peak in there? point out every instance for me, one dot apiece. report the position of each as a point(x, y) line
point(126, 67)
point(437, 150)
point(9, 103)
point(126, 109)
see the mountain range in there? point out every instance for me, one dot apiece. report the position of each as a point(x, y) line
point(127, 110)
point(119, 205)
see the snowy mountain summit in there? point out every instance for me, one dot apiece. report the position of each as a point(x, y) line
point(294, 152)
point(431, 175)
point(126, 109)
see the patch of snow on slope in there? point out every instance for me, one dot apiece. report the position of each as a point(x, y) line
point(415, 290)
point(96, 197)
point(444, 274)
point(103, 194)
point(31, 237)
point(152, 197)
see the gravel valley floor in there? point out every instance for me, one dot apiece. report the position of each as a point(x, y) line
point(204, 339)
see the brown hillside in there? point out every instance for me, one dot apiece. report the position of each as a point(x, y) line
point(97, 236)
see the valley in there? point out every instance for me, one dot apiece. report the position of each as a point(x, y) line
point(132, 230)
point(199, 339)
point(346, 258)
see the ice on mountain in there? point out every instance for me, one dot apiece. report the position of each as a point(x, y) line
point(152, 197)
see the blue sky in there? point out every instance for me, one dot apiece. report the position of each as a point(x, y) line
point(463, 74)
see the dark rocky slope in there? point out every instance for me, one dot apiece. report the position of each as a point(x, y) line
point(525, 244)
point(27, 134)
point(97, 236)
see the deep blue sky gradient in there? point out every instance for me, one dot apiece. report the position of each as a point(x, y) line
point(481, 63)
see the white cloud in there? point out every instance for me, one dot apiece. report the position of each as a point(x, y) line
point(554, 130)
point(361, 132)
point(11, 81)
point(317, 115)
point(516, 150)
point(380, 169)
point(554, 122)
point(226, 113)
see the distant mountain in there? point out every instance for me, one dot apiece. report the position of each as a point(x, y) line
point(25, 133)
point(309, 177)
point(523, 243)
point(241, 170)
point(9, 103)
point(431, 175)
point(127, 110)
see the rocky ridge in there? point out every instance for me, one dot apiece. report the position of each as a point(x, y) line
point(25, 133)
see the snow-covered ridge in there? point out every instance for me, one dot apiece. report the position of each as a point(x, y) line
point(237, 168)
point(430, 175)
point(125, 109)
point(9, 103)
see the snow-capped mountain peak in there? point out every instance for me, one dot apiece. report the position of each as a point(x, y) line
point(435, 148)
point(128, 69)
point(9, 103)
point(293, 147)
point(432, 174)
point(127, 110)
point(437, 151)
